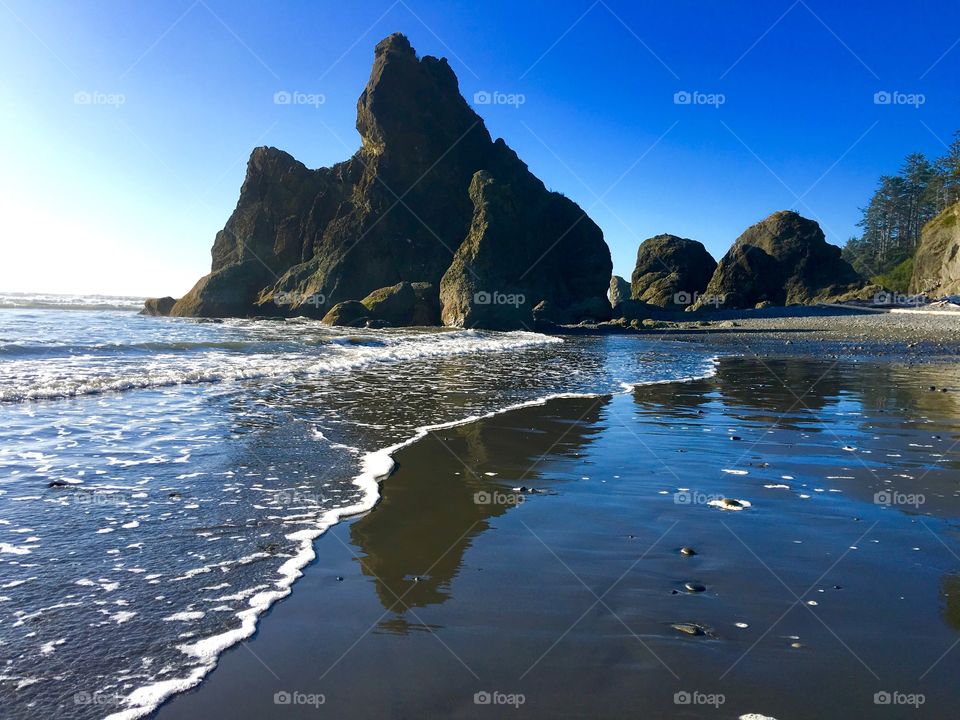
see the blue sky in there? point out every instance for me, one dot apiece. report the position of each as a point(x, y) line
point(124, 193)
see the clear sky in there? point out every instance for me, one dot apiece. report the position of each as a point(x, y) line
point(126, 125)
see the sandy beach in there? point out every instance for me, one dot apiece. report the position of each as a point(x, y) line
point(530, 564)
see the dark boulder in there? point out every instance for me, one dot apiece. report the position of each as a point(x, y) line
point(783, 260)
point(158, 306)
point(671, 272)
point(349, 313)
point(404, 304)
point(228, 292)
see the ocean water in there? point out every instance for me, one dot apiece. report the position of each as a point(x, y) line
point(162, 480)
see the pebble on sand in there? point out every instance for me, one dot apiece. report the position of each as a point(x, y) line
point(729, 504)
point(689, 628)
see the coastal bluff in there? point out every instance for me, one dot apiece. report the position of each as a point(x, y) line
point(429, 202)
point(936, 268)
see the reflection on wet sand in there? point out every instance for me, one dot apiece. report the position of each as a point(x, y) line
point(413, 543)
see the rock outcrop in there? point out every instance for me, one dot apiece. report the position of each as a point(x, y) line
point(936, 265)
point(158, 306)
point(783, 260)
point(525, 246)
point(429, 196)
point(618, 292)
point(671, 272)
point(349, 313)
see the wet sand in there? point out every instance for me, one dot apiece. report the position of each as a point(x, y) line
point(561, 596)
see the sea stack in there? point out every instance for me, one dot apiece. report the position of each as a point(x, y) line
point(671, 272)
point(429, 200)
point(782, 260)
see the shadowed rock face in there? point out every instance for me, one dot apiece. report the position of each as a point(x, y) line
point(397, 211)
point(671, 271)
point(783, 260)
point(936, 266)
point(525, 246)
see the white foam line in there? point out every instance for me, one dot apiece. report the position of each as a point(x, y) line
point(375, 467)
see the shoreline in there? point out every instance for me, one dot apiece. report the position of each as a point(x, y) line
point(379, 460)
point(377, 467)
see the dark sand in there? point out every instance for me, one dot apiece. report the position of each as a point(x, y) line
point(567, 598)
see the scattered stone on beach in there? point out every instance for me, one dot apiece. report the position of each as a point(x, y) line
point(694, 587)
point(688, 551)
point(689, 628)
point(730, 504)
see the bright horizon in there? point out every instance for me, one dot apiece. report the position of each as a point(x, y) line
point(129, 127)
